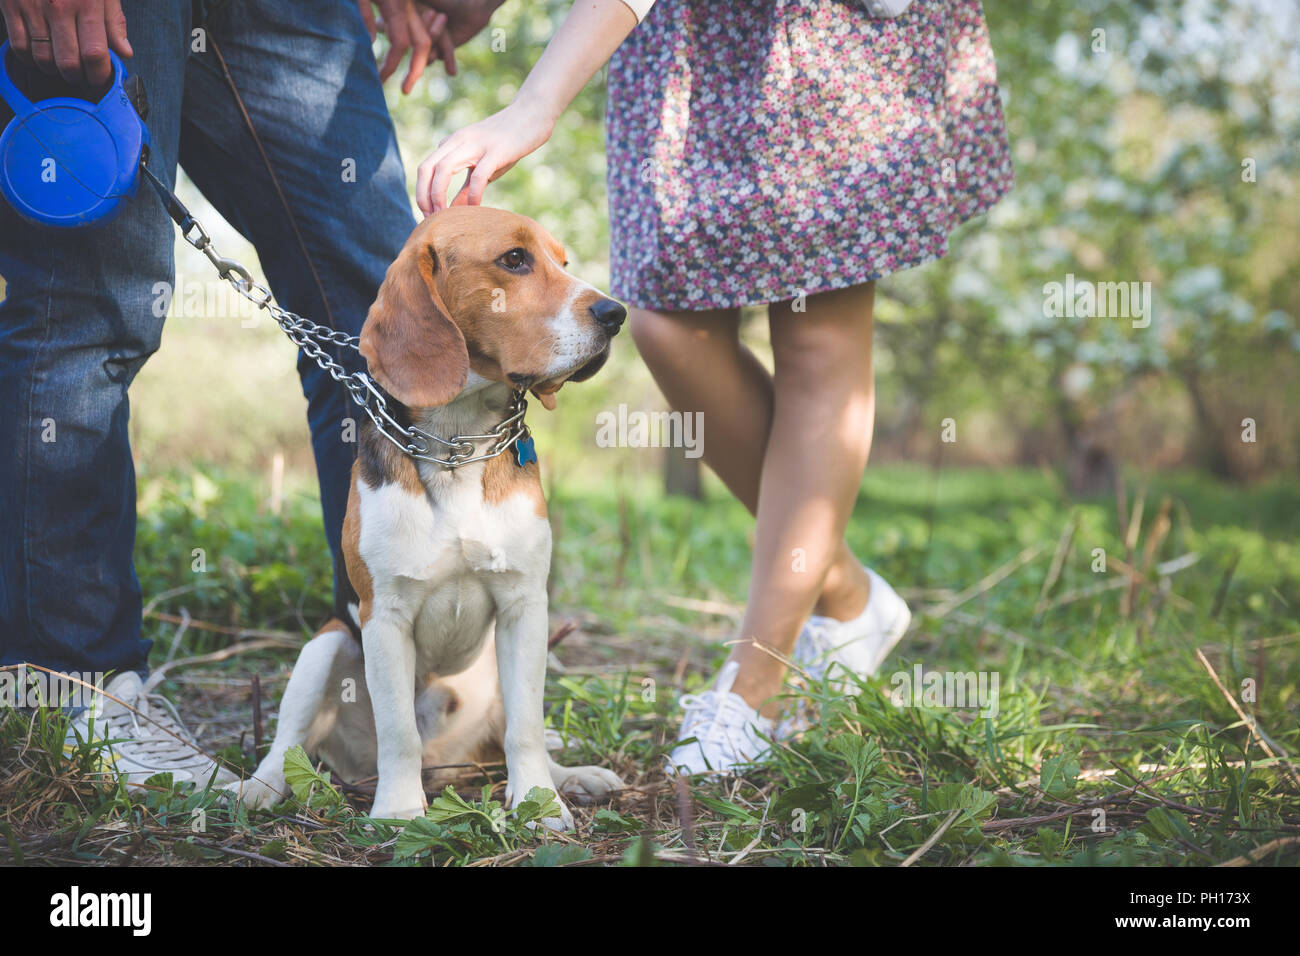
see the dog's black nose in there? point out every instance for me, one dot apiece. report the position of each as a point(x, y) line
point(609, 315)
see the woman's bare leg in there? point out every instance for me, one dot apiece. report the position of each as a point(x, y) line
point(823, 414)
point(700, 364)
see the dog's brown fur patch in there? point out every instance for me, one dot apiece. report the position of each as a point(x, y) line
point(358, 573)
point(503, 478)
point(380, 462)
point(333, 624)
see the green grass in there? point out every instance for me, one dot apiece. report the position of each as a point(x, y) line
point(1112, 743)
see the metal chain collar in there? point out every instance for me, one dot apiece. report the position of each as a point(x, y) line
point(309, 338)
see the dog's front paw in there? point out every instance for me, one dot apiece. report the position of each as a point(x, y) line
point(399, 806)
point(386, 812)
point(561, 823)
point(263, 790)
point(584, 785)
point(405, 803)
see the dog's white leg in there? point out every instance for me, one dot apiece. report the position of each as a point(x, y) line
point(390, 674)
point(302, 701)
point(521, 633)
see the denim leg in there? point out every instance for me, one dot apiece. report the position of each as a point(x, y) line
point(325, 237)
point(76, 325)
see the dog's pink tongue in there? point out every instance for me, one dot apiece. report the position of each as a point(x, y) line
point(547, 399)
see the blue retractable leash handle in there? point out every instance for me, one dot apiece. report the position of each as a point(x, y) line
point(72, 163)
point(66, 161)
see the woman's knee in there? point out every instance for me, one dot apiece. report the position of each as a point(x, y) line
point(661, 335)
point(655, 333)
point(832, 329)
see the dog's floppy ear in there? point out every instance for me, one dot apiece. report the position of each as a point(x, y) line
point(413, 348)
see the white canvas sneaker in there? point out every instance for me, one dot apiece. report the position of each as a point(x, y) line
point(725, 727)
point(858, 646)
point(145, 743)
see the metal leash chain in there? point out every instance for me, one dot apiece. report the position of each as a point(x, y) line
point(309, 337)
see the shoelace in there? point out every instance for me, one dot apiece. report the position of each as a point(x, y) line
point(152, 737)
point(712, 714)
point(816, 642)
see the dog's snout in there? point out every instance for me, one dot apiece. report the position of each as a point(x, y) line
point(609, 315)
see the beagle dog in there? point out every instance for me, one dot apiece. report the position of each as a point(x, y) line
point(448, 565)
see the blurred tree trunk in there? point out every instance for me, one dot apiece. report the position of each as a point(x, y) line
point(915, 344)
point(1216, 458)
point(1090, 468)
point(682, 475)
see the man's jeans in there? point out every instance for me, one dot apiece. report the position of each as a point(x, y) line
point(77, 321)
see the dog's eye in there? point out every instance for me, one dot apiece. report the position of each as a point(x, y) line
point(516, 260)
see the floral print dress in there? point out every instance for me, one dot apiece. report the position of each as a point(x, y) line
point(765, 149)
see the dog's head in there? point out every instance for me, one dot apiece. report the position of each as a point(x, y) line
point(484, 290)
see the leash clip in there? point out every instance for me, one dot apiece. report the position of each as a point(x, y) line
point(192, 231)
point(225, 266)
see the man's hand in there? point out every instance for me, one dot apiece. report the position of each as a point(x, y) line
point(421, 31)
point(68, 37)
point(465, 18)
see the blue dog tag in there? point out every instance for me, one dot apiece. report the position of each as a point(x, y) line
point(524, 451)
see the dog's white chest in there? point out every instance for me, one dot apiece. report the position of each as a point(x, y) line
point(405, 534)
point(448, 559)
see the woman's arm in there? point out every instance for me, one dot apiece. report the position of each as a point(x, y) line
point(585, 41)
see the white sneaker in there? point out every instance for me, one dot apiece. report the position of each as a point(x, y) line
point(145, 743)
point(725, 727)
point(858, 646)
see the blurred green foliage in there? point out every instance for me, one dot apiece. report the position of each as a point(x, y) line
point(620, 551)
point(1154, 142)
point(1129, 123)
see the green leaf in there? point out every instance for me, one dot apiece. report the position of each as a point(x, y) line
point(611, 821)
point(419, 836)
point(189, 850)
point(308, 784)
point(558, 854)
point(1169, 824)
point(640, 852)
point(450, 805)
point(538, 804)
point(725, 809)
point(186, 850)
point(1060, 775)
point(160, 781)
point(810, 797)
point(862, 755)
point(1050, 843)
point(976, 804)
